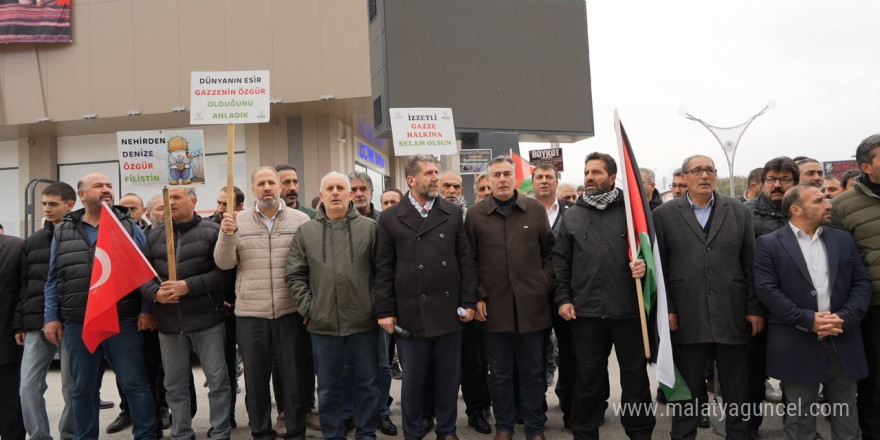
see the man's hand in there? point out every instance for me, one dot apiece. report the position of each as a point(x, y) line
point(757, 323)
point(19, 338)
point(171, 291)
point(54, 331)
point(638, 268)
point(146, 321)
point(228, 224)
point(481, 314)
point(566, 311)
point(673, 322)
point(827, 324)
point(468, 315)
point(388, 324)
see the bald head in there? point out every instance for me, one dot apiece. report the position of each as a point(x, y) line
point(93, 189)
point(156, 210)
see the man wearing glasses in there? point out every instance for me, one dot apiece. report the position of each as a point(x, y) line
point(711, 294)
point(679, 187)
point(778, 176)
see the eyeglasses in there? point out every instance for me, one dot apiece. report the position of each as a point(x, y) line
point(782, 180)
point(697, 172)
point(679, 185)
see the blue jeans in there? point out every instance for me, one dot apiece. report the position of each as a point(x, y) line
point(347, 379)
point(125, 353)
point(384, 371)
point(38, 355)
point(330, 355)
point(209, 345)
point(526, 351)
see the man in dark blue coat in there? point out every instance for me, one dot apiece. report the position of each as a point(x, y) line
point(816, 288)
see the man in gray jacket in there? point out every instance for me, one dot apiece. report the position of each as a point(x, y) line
point(707, 244)
point(330, 273)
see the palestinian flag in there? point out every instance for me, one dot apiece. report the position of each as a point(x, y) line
point(643, 244)
point(523, 170)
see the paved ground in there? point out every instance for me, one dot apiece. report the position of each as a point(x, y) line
point(772, 428)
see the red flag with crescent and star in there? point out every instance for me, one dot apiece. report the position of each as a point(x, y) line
point(119, 267)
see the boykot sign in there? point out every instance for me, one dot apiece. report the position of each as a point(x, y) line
point(549, 156)
point(423, 131)
point(229, 97)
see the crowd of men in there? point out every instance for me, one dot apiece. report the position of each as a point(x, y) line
point(472, 296)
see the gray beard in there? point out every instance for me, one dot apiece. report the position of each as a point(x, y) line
point(268, 204)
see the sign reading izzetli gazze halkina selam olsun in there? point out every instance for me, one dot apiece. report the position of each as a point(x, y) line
point(423, 131)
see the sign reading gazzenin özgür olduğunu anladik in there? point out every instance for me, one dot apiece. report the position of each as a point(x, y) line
point(238, 97)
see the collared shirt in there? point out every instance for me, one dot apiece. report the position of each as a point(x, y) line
point(423, 210)
point(269, 222)
point(702, 213)
point(553, 212)
point(816, 257)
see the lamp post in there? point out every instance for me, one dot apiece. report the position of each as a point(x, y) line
point(729, 137)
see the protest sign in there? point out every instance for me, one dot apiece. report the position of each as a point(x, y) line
point(423, 131)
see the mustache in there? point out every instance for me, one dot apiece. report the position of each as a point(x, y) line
point(291, 193)
point(777, 191)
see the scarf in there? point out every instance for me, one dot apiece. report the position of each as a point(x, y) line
point(601, 201)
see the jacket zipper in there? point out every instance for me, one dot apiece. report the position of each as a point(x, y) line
point(271, 277)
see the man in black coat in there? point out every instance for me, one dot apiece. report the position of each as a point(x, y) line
point(424, 273)
point(190, 313)
point(777, 176)
point(58, 199)
point(11, 426)
point(596, 294)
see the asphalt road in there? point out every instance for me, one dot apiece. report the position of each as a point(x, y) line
point(612, 429)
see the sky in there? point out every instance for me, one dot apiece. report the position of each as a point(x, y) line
point(722, 62)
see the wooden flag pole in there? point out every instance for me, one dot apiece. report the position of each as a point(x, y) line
point(230, 171)
point(169, 237)
point(643, 318)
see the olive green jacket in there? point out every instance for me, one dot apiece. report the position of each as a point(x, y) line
point(330, 273)
point(858, 211)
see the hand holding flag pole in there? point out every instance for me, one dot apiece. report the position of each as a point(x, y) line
point(642, 233)
point(119, 268)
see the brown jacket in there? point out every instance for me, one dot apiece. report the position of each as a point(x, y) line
point(513, 258)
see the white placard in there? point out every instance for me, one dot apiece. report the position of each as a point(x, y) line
point(240, 97)
point(423, 131)
point(156, 158)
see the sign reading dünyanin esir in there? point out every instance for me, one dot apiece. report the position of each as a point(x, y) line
point(240, 97)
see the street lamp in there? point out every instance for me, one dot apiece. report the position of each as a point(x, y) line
point(729, 137)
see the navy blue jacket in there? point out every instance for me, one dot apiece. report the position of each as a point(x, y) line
point(794, 352)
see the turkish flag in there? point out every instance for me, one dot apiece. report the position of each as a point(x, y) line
point(119, 267)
